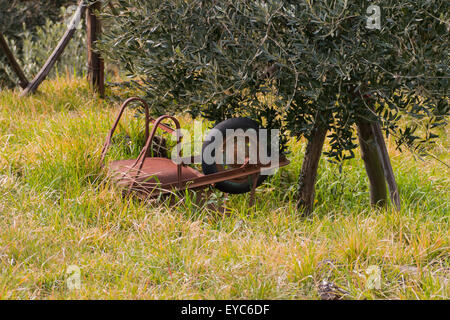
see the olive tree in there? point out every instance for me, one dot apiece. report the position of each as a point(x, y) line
point(328, 65)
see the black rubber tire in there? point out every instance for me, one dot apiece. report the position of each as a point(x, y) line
point(231, 186)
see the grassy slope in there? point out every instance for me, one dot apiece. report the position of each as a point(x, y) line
point(56, 211)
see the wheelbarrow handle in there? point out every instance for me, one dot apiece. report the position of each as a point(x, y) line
point(116, 123)
point(162, 126)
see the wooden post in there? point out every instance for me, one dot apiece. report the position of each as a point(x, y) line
point(308, 174)
point(372, 162)
point(96, 73)
point(23, 81)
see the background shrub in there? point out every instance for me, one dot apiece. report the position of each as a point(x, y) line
point(33, 29)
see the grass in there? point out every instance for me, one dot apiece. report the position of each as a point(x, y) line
point(57, 210)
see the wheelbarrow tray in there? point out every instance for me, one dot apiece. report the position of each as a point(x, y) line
point(160, 175)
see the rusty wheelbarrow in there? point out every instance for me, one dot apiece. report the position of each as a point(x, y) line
point(149, 176)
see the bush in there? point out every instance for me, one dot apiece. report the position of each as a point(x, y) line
point(324, 66)
point(32, 47)
point(15, 13)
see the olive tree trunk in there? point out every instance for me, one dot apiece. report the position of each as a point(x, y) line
point(308, 174)
point(386, 163)
point(373, 164)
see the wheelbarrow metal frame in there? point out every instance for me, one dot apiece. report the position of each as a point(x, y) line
point(152, 189)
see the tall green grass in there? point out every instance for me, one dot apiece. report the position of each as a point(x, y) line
point(57, 209)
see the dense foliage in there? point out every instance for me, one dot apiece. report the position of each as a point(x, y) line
point(32, 13)
point(320, 61)
point(33, 28)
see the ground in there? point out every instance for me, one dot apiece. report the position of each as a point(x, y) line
point(57, 210)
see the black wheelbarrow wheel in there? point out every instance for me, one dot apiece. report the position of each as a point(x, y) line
point(239, 152)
